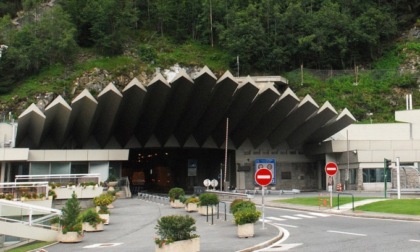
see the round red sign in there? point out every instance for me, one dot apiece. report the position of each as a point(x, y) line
point(263, 177)
point(331, 168)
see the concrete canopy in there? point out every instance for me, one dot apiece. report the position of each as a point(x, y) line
point(184, 112)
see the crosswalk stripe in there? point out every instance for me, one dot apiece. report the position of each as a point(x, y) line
point(275, 218)
point(305, 216)
point(320, 214)
point(290, 217)
point(266, 221)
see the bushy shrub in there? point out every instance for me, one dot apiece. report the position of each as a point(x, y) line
point(246, 215)
point(92, 217)
point(238, 205)
point(175, 193)
point(174, 228)
point(207, 199)
point(191, 200)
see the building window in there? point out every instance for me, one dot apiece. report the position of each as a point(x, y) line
point(375, 175)
point(286, 175)
point(353, 176)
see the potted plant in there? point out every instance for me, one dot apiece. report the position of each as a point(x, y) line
point(112, 182)
point(245, 219)
point(208, 202)
point(239, 204)
point(91, 220)
point(176, 234)
point(101, 202)
point(71, 224)
point(191, 204)
point(174, 196)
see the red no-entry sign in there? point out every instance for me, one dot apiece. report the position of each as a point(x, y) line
point(331, 168)
point(263, 177)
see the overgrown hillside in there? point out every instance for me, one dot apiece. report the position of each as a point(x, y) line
point(362, 60)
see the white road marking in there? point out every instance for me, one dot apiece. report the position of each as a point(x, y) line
point(339, 232)
point(103, 245)
point(320, 214)
point(290, 217)
point(280, 247)
point(285, 225)
point(275, 218)
point(414, 240)
point(265, 221)
point(305, 216)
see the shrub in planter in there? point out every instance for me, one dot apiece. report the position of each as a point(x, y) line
point(239, 204)
point(176, 193)
point(103, 200)
point(92, 217)
point(207, 199)
point(246, 215)
point(191, 200)
point(70, 220)
point(174, 228)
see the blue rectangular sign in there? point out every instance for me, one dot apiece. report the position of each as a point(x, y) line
point(269, 163)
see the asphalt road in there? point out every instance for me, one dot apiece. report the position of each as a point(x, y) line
point(314, 231)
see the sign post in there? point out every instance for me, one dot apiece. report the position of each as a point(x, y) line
point(331, 169)
point(263, 177)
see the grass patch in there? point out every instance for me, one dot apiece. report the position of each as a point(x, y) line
point(30, 246)
point(317, 201)
point(397, 206)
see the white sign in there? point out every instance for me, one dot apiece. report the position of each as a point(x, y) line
point(214, 183)
point(207, 182)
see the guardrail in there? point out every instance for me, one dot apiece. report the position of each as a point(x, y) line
point(338, 201)
point(153, 198)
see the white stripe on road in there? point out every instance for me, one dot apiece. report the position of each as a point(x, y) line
point(284, 225)
point(305, 216)
point(320, 214)
point(266, 221)
point(339, 232)
point(290, 217)
point(414, 240)
point(275, 218)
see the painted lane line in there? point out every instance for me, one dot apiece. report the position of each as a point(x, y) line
point(275, 218)
point(265, 221)
point(339, 232)
point(290, 217)
point(305, 216)
point(284, 225)
point(414, 240)
point(320, 214)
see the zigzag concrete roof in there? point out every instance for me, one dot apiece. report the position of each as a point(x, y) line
point(185, 112)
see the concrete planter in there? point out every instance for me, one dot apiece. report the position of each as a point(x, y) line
point(202, 210)
point(105, 217)
point(69, 237)
point(246, 230)
point(89, 228)
point(177, 204)
point(81, 192)
point(191, 207)
point(192, 245)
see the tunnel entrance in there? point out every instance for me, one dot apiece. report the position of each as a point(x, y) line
point(159, 169)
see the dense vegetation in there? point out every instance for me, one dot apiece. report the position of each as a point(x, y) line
point(264, 36)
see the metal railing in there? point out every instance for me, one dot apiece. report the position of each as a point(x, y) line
point(61, 178)
point(153, 198)
point(338, 200)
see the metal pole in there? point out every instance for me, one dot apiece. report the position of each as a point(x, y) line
point(226, 149)
point(385, 175)
point(331, 188)
point(263, 208)
point(397, 161)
